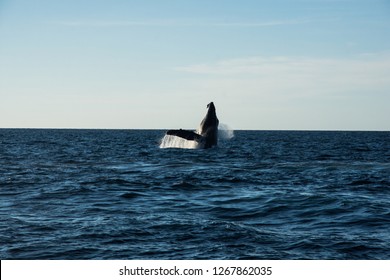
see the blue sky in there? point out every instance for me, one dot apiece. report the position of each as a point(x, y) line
point(305, 64)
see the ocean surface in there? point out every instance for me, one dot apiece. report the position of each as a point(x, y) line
point(115, 194)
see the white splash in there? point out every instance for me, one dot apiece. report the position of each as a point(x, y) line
point(171, 141)
point(225, 132)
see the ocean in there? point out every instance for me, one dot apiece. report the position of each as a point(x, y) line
point(116, 194)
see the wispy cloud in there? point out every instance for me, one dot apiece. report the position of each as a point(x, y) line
point(304, 76)
point(299, 92)
point(103, 23)
point(258, 23)
point(178, 23)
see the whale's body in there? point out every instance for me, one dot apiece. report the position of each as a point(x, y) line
point(207, 135)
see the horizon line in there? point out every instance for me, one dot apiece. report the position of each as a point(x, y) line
point(163, 129)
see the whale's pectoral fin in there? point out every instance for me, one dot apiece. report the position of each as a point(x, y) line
point(186, 134)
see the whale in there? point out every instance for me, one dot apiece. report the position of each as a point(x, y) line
point(207, 134)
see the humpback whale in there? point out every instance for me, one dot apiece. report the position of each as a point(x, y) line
point(207, 134)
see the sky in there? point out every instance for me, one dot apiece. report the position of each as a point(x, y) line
point(144, 64)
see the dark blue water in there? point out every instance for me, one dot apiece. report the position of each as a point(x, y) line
point(114, 194)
